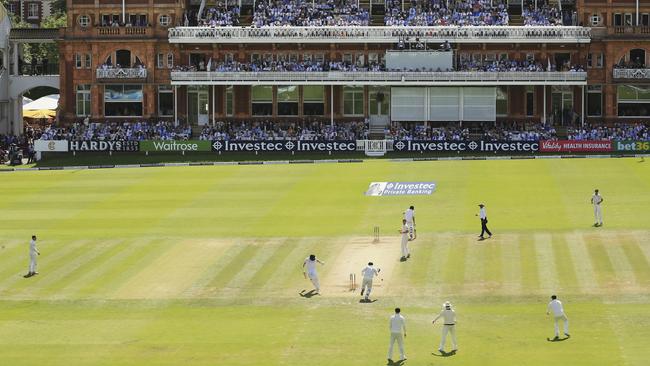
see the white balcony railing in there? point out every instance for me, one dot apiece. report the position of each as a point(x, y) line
point(454, 34)
point(395, 78)
point(122, 73)
point(631, 73)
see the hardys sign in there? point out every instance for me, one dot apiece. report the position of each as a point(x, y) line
point(467, 146)
point(130, 146)
point(400, 188)
point(284, 146)
point(174, 145)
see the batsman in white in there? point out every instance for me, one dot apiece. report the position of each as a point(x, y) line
point(556, 307)
point(405, 241)
point(33, 252)
point(409, 216)
point(596, 200)
point(368, 273)
point(397, 326)
point(448, 316)
point(310, 265)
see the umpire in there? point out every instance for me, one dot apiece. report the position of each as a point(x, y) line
point(482, 214)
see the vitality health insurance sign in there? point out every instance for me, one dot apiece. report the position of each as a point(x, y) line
point(400, 188)
point(575, 146)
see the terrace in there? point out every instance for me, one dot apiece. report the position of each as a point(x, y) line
point(394, 78)
point(381, 34)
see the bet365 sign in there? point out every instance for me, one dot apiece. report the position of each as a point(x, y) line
point(632, 146)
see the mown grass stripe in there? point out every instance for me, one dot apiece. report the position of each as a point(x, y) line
point(148, 252)
point(581, 263)
point(289, 271)
point(474, 274)
point(423, 247)
point(231, 269)
point(263, 275)
point(109, 259)
point(511, 264)
point(51, 258)
point(455, 269)
point(638, 261)
point(243, 279)
point(12, 256)
point(568, 281)
point(547, 267)
point(528, 263)
point(624, 272)
point(199, 286)
point(603, 267)
point(75, 267)
point(440, 251)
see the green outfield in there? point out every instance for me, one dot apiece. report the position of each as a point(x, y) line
point(201, 265)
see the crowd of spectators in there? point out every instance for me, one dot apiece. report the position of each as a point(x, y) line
point(544, 15)
point(619, 131)
point(267, 130)
point(501, 66)
point(453, 131)
point(111, 131)
point(442, 12)
point(632, 64)
point(280, 65)
point(405, 131)
point(309, 13)
point(224, 14)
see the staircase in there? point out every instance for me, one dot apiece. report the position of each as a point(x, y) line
point(377, 127)
point(515, 20)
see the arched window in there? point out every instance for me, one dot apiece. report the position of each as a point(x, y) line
point(123, 58)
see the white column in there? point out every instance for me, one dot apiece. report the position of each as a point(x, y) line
point(214, 106)
point(332, 105)
point(124, 11)
point(175, 105)
point(15, 57)
point(582, 115)
point(637, 13)
point(544, 107)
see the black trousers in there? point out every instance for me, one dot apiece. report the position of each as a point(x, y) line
point(484, 228)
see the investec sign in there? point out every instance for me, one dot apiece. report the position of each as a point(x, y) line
point(284, 146)
point(467, 146)
point(104, 146)
point(173, 145)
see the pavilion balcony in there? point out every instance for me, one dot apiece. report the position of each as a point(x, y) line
point(121, 73)
point(632, 74)
point(393, 78)
point(381, 34)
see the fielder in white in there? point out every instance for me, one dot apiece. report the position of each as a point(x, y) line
point(310, 264)
point(555, 306)
point(448, 316)
point(596, 200)
point(368, 273)
point(397, 326)
point(409, 216)
point(33, 252)
point(405, 241)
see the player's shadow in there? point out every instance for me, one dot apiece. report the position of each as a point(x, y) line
point(395, 363)
point(309, 294)
point(557, 339)
point(364, 301)
point(444, 354)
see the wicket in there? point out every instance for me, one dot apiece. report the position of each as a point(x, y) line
point(376, 235)
point(353, 282)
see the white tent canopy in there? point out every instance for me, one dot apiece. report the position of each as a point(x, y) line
point(50, 102)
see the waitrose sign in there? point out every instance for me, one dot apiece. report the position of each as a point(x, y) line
point(172, 145)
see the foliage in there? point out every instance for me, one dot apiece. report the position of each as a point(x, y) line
point(49, 51)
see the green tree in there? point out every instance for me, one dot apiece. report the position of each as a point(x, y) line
point(40, 51)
